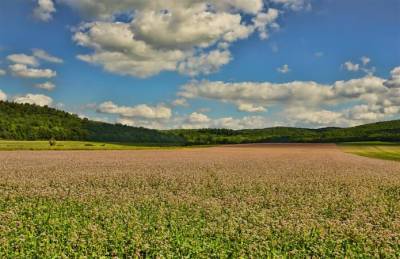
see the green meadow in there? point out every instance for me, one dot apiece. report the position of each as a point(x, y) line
point(380, 150)
point(73, 145)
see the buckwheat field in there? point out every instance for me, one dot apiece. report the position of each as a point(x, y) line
point(230, 201)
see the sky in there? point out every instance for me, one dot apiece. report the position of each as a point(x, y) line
point(205, 64)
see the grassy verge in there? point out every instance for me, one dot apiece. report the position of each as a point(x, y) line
point(8, 145)
point(381, 150)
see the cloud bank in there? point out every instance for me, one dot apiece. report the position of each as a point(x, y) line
point(189, 37)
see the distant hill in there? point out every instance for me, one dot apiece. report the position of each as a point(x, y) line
point(31, 122)
point(381, 131)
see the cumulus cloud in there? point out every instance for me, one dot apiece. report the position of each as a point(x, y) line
point(105, 9)
point(205, 63)
point(355, 67)
point(349, 66)
point(315, 117)
point(180, 102)
point(248, 107)
point(139, 111)
point(2, 72)
point(265, 19)
point(198, 118)
point(41, 54)
point(259, 94)
point(295, 5)
point(134, 116)
point(46, 86)
point(44, 10)
point(38, 99)
point(190, 37)
point(309, 103)
point(3, 96)
point(23, 59)
point(284, 69)
point(365, 60)
point(394, 81)
point(247, 122)
point(26, 66)
point(21, 70)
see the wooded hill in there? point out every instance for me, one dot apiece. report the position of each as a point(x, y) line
point(31, 122)
point(381, 131)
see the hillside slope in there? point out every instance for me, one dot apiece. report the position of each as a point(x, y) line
point(381, 131)
point(31, 122)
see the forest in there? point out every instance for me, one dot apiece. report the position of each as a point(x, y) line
point(381, 131)
point(32, 122)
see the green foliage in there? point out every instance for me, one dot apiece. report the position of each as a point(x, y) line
point(52, 142)
point(382, 131)
point(31, 122)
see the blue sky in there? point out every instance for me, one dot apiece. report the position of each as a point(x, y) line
point(233, 64)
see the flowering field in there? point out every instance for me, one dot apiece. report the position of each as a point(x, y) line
point(232, 201)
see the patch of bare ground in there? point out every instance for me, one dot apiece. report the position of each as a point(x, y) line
point(229, 201)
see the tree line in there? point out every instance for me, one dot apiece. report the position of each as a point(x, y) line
point(32, 122)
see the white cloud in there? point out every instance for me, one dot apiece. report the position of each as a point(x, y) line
point(315, 117)
point(263, 20)
point(259, 94)
point(180, 102)
point(139, 111)
point(105, 9)
point(130, 116)
point(365, 60)
point(394, 81)
point(367, 99)
point(205, 63)
point(3, 96)
point(307, 104)
point(349, 66)
point(354, 67)
point(38, 99)
point(198, 118)
point(21, 70)
point(247, 107)
point(26, 66)
point(295, 5)
point(284, 69)
point(23, 59)
point(46, 86)
point(41, 54)
point(199, 121)
point(190, 37)
point(44, 11)
point(2, 72)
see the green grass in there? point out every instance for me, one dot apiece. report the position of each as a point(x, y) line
point(10, 145)
point(380, 150)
